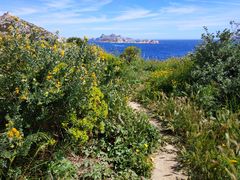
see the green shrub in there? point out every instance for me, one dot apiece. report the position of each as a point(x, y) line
point(170, 76)
point(131, 53)
point(76, 40)
point(218, 64)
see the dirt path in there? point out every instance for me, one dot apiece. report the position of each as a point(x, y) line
point(165, 159)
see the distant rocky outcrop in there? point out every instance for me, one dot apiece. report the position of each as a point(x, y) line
point(112, 38)
point(24, 27)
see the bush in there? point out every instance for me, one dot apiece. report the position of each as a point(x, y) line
point(170, 76)
point(56, 95)
point(131, 53)
point(50, 87)
point(76, 40)
point(218, 64)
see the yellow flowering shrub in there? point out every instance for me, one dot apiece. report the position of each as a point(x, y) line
point(56, 95)
point(168, 76)
point(50, 87)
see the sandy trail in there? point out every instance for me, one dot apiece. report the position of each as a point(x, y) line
point(165, 159)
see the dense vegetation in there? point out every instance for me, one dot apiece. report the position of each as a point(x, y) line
point(197, 98)
point(64, 113)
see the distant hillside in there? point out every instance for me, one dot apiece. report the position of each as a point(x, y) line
point(112, 38)
point(24, 27)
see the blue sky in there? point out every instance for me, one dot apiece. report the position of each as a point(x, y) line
point(152, 19)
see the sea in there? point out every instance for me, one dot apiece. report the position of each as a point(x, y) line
point(162, 51)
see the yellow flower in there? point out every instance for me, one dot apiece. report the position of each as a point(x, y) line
point(49, 77)
point(93, 75)
point(55, 47)
point(17, 90)
point(14, 133)
point(102, 55)
point(28, 47)
point(10, 28)
point(43, 45)
point(10, 134)
point(23, 97)
point(14, 130)
point(58, 85)
point(137, 150)
point(162, 73)
point(17, 134)
point(233, 161)
point(62, 53)
point(52, 141)
point(146, 145)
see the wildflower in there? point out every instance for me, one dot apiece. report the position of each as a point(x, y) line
point(14, 133)
point(93, 75)
point(17, 90)
point(233, 161)
point(10, 28)
point(58, 84)
point(162, 73)
point(102, 55)
point(146, 145)
point(43, 45)
point(137, 150)
point(14, 130)
point(49, 77)
point(62, 53)
point(52, 141)
point(10, 134)
point(28, 47)
point(23, 97)
point(17, 134)
point(54, 47)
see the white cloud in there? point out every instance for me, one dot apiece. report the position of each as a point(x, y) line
point(70, 20)
point(25, 11)
point(217, 2)
point(58, 4)
point(80, 5)
point(180, 9)
point(132, 14)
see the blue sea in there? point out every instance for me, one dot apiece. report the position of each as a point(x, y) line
point(164, 50)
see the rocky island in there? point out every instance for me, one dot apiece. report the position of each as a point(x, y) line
point(113, 38)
